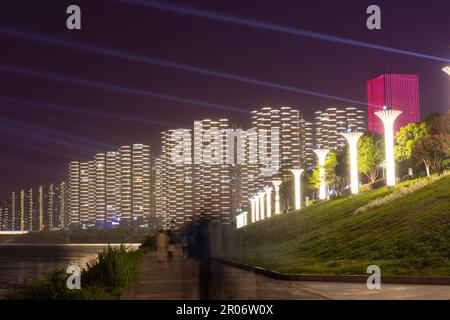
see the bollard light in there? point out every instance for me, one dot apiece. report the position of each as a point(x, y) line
point(388, 117)
point(322, 155)
point(352, 139)
point(297, 187)
point(276, 185)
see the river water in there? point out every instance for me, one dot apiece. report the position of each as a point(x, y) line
point(20, 264)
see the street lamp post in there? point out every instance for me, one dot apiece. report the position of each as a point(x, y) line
point(268, 200)
point(256, 198)
point(388, 117)
point(276, 185)
point(297, 185)
point(252, 201)
point(322, 155)
point(352, 139)
point(261, 204)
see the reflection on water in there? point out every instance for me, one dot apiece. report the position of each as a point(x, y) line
point(20, 264)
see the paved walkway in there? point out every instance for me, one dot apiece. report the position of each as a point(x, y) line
point(164, 280)
point(178, 279)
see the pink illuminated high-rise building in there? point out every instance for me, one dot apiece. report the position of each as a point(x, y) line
point(398, 91)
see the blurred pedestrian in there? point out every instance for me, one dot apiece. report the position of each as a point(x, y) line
point(184, 245)
point(203, 256)
point(162, 243)
point(171, 246)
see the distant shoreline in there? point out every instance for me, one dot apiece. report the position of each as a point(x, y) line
point(75, 237)
point(69, 244)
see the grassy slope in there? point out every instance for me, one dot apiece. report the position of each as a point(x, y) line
point(408, 237)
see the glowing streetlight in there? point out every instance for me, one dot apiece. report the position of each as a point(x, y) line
point(297, 191)
point(446, 70)
point(256, 198)
point(268, 199)
point(261, 204)
point(388, 117)
point(322, 155)
point(253, 205)
point(276, 184)
point(352, 139)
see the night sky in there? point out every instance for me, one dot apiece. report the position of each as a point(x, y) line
point(59, 103)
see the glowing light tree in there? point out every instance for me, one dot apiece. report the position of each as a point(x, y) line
point(253, 205)
point(261, 204)
point(322, 155)
point(352, 139)
point(446, 70)
point(276, 185)
point(256, 198)
point(388, 117)
point(268, 200)
point(297, 191)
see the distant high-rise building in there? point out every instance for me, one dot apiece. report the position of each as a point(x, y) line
point(114, 188)
point(36, 209)
point(74, 193)
point(330, 122)
point(28, 209)
point(307, 141)
point(40, 209)
point(99, 189)
point(5, 216)
point(16, 222)
point(282, 136)
point(125, 154)
point(50, 207)
point(141, 185)
point(173, 184)
point(202, 185)
point(84, 199)
point(213, 175)
point(55, 206)
point(398, 91)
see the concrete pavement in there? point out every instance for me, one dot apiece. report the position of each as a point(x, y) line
point(179, 279)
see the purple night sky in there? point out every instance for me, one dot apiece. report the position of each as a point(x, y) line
point(59, 103)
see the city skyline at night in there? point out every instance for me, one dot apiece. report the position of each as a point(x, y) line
point(234, 152)
point(140, 83)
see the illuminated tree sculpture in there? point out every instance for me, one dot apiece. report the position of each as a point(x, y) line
point(261, 204)
point(352, 139)
point(268, 200)
point(446, 70)
point(297, 191)
point(253, 205)
point(388, 117)
point(256, 198)
point(276, 184)
point(322, 155)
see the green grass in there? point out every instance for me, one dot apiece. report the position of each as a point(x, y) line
point(410, 236)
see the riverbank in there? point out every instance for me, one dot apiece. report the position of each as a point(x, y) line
point(76, 237)
point(106, 274)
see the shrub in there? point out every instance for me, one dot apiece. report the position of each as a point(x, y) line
point(53, 287)
point(408, 188)
point(372, 185)
point(103, 278)
point(114, 268)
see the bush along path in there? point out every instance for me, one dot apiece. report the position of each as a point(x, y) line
point(103, 278)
